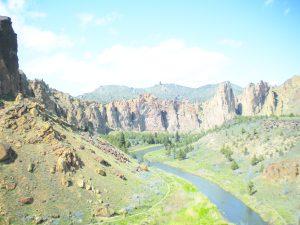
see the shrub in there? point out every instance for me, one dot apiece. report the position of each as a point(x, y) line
point(227, 152)
point(234, 165)
point(168, 151)
point(261, 168)
point(181, 155)
point(251, 188)
point(243, 131)
point(254, 160)
point(245, 151)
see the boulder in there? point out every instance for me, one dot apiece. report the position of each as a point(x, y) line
point(143, 167)
point(65, 182)
point(80, 183)
point(26, 200)
point(104, 211)
point(4, 152)
point(101, 172)
point(31, 167)
point(68, 161)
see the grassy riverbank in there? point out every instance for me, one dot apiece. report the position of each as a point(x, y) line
point(182, 204)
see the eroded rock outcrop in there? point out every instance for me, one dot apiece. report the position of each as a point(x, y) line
point(284, 170)
point(253, 98)
point(150, 113)
point(10, 79)
point(220, 109)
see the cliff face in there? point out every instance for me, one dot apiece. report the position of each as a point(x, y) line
point(150, 113)
point(220, 109)
point(253, 98)
point(145, 113)
point(10, 79)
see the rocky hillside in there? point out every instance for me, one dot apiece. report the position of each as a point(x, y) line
point(49, 172)
point(109, 93)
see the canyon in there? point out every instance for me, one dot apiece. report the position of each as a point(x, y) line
point(146, 112)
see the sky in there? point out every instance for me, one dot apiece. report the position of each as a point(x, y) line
point(76, 45)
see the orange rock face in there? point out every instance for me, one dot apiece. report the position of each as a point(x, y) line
point(284, 170)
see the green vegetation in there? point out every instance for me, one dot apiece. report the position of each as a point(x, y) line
point(182, 205)
point(234, 165)
point(255, 160)
point(251, 189)
point(176, 145)
point(266, 140)
point(227, 152)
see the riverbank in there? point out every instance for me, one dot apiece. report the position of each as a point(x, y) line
point(182, 204)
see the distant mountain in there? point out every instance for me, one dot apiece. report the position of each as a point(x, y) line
point(109, 93)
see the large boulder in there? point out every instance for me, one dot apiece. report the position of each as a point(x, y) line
point(4, 152)
point(105, 211)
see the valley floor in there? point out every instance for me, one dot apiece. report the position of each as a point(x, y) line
point(276, 199)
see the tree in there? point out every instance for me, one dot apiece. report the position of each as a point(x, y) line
point(251, 189)
point(245, 151)
point(234, 165)
point(177, 137)
point(243, 130)
point(122, 141)
point(254, 160)
point(181, 154)
point(150, 139)
point(168, 151)
point(227, 153)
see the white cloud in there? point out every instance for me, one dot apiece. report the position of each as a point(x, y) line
point(286, 11)
point(232, 43)
point(37, 15)
point(16, 5)
point(269, 2)
point(85, 18)
point(91, 19)
point(109, 18)
point(169, 61)
point(42, 40)
point(31, 37)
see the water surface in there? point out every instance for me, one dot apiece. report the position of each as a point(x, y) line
point(232, 209)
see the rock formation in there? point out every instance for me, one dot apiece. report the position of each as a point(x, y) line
point(146, 112)
point(253, 98)
point(220, 109)
point(10, 79)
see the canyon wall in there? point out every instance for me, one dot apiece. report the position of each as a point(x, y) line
point(146, 112)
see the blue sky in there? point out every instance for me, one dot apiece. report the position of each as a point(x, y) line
point(76, 46)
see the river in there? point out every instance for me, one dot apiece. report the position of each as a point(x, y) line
point(232, 209)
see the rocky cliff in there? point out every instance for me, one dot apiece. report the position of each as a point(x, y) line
point(146, 112)
point(10, 80)
point(220, 109)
